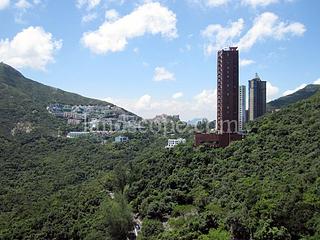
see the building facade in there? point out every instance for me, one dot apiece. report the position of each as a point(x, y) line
point(242, 107)
point(216, 140)
point(228, 90)
point(174, 142)
point(257, 98)
point(121, 139)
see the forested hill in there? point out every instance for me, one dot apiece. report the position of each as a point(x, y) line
point(297, 96)
point(24, 101)
point(264, 187)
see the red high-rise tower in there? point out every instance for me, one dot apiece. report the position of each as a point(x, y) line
point(228, 90)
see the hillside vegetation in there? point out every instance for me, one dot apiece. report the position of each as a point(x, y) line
point(264, 187)
point(23, 104)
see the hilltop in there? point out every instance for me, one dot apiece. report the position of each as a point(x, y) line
point(23, 103)
point(299, 95)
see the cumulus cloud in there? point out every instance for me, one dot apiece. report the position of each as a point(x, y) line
point(162, 74)
point(177, 95)
point(33, 47)
point(272, 91)
point(317, 81)
point(201, 105)
point(246, 62)
point(265, 26)
point(89, 4)
point(113, 36)
point(219, 36)
point(288, 92)
point(4, 4)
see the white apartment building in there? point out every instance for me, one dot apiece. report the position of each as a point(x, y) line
point(174, 142)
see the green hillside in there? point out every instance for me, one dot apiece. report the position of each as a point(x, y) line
point(297, 96)
point(24, 101)
point(264, 187)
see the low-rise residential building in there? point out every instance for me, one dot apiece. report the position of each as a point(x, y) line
point(121, 139)
point(77, 134)
point(74, 121)
point(174, 142)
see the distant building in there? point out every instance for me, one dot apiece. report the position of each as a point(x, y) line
point(74, 121)
point(228, 90)
point(257, 98)
point(174, 142)
point(242, 107)
point(77, 134)
point(121, 139)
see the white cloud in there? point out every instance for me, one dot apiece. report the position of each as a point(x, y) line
point(89, 17)
point(32, 47)
point(150, 18)
point(256, 3)
point(201, 105)
point(317, 81)
point(143, 102)
point(219, 37)
point(267, 25)
point(23, 4)
point(111, 15)
point(272, 91)
point(246, 62)
point(177, 95)
point(162, 74)
point(4, 4)
point(89, 4)
point(288, 92)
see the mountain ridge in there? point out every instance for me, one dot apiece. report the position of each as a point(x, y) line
point(24, 101)
point(302, 94)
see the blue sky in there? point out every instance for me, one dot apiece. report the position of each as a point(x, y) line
point(155, 57)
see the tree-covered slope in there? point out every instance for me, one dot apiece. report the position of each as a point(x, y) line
point(297, 96)
point(24, 101)
point(264, 187)
point(56, 188)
